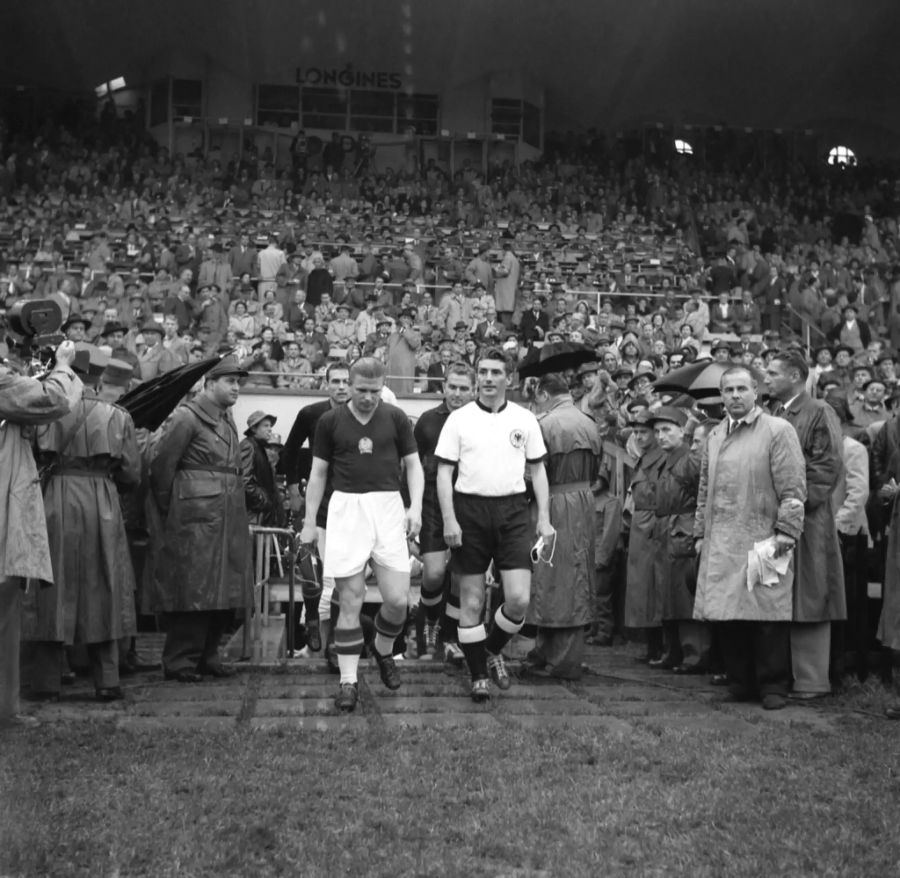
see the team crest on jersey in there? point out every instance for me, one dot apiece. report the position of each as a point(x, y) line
point(517, 438)
point(365, 445)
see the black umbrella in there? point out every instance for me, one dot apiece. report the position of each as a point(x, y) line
point(556, 356)
point(150, 403)
point(700, 379)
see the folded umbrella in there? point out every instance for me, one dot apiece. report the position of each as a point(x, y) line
point(700, 379)
point(557, 356)
point(150, 403)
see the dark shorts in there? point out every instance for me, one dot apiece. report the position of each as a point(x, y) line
point(494, 529)
point(431, 537)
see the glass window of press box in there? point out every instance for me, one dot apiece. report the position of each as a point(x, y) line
point(516, 118)
point(336, 109)
point(187, 98)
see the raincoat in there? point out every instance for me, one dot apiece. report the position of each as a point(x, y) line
point(506, 285)
point(643, 601)
point(819, 594)
point(92, 598)
point(24, 549)
point(676, 505)
point(561, 594)
point(886, 460)
point(752, 483)
point(197, 490)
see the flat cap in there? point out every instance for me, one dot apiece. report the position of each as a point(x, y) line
point(669, 413)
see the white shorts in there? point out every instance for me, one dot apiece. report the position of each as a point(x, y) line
point(364, 526)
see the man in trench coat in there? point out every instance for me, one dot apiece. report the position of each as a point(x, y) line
point(752, 488)
point(201, 569)
point(643, 598)
point(819, 596)
point(92, 452)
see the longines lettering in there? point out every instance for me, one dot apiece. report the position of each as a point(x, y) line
point(347, 77)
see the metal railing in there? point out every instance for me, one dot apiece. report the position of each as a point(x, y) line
point(807, 328)
point(267, 549)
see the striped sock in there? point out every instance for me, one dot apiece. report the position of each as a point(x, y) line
point(471, 642)
point(431, 598)
point(503, 631)
point(386, 632)
point(348, 643)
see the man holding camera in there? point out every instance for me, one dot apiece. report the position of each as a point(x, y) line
point(24, 549)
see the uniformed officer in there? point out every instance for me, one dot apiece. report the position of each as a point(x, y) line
point(91, 453)
point(201, 572)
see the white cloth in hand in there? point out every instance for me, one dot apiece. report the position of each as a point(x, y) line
point(763, 568)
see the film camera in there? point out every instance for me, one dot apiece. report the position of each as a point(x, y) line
point(36, 324)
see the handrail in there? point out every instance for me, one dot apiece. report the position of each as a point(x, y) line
point(256, 609)
point(805, 325)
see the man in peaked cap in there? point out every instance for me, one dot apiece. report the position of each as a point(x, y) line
point(97, 361)
point(643, 607)
point(200, 568)
point(687, 641)
point(94, 453)
point(115, 380)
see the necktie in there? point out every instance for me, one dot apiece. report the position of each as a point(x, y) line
point(778, 411)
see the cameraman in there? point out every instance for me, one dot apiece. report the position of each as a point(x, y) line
point(24, 549)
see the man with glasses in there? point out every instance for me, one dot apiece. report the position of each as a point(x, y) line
point(486, 515)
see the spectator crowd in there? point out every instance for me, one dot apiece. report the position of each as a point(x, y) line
point(158, 260)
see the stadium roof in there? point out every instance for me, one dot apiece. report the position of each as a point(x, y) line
point(829, 65)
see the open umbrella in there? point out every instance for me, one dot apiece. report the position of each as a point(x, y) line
point(150, 403)
point(555, 357)
point(700, 380)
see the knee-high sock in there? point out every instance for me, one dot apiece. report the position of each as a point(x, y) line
point(386, 632)
point(311, 589)
point(471, 642)
point(431, 599)
point(348, 643)
point(450, 619)
point(503, 631)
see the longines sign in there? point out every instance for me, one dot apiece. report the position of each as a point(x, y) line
point(347, 77)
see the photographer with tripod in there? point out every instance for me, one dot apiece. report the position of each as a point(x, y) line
point(24, 548)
